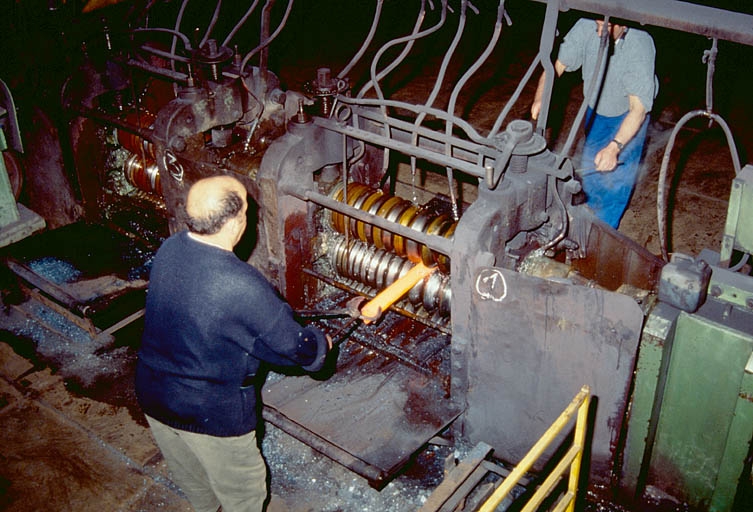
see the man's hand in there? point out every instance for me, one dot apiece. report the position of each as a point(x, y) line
point(536, 109)
point(606, 159)
point(559, 68)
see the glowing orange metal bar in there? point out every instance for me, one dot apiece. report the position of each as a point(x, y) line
point(372, 310)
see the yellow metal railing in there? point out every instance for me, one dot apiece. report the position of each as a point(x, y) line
point(572, 459)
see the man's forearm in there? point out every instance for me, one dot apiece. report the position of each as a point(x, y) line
point(559, 68)
point(607, 158)
point(632, 122)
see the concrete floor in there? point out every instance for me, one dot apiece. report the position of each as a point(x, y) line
point(63, 451)
point(75, 446)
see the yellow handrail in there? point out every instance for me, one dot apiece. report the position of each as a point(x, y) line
point(572, 459)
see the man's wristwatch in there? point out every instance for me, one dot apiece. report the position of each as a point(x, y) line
point(620, 145)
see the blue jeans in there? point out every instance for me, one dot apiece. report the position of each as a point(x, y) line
point(608, 193)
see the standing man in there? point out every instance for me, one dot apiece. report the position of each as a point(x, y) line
point(211, 320)
point(617, 119)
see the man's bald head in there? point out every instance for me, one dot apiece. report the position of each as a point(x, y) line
point(212, 202)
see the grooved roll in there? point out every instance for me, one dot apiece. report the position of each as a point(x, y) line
point(378, 268)
point(143, 175)
point(134, 143)
point(397, 210)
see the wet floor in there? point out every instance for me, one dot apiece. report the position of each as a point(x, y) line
point(74, 447)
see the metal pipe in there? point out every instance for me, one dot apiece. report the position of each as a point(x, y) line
point(263, 36)
point(263, 44)
point(176, 76)
point(144, 133)
point(439, 80)
point(375, 78)
point(411, 39)
point(563, 209)
point(212, 23)
point(394, 42)
point(515, 95)
point(366, 42)
point(546, 46)
point(240, 23)
point(435, 243)
point(427, 149)
point(592, 90)
point(164, 54)
point(446, 60)
point(432, 98)
point(661, 202)
point(706, 21)
point(174, 42)
point(381, 118)
point(709, 58)
point(176, 33)
point(456, 92)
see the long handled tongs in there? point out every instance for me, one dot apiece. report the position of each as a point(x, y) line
point(372, 310)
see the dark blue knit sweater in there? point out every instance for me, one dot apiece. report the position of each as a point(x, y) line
point(211, 319)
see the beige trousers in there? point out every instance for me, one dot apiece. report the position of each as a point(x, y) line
point(214, 471)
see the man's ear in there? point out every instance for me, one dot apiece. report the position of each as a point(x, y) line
point(239, 223)
point(236, 222)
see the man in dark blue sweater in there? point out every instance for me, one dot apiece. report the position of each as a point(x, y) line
point(211, 320)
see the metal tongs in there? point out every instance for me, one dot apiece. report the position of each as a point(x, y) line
point(372, 310)
point(352, 310)
point(587, 171)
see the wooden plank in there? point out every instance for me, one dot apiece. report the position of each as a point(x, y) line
point(83, 323)
point(127, 320)
point(46, 286)
point(465, 489)
point(447, 492)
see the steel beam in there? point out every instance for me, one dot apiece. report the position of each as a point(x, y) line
point(683, 16)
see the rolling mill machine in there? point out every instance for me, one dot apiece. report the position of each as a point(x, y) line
point(524, 296)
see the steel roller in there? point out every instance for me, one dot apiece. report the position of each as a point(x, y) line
point(372, 269)
point(394, 209)
point(143, 175)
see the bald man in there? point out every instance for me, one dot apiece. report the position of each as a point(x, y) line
point(211, 321)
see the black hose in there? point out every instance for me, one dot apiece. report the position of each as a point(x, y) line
point(661, 201)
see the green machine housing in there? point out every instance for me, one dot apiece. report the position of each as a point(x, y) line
point(691, 418)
